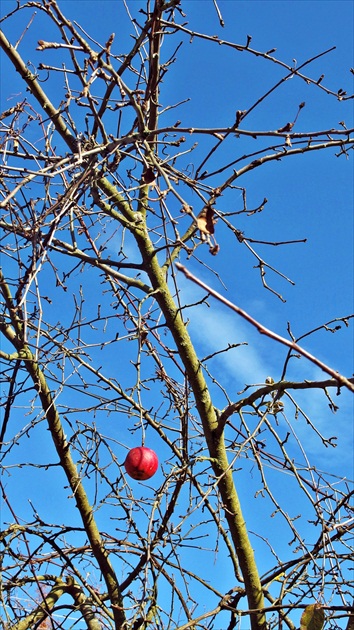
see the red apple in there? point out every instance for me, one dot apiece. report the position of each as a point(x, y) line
point(141, 463)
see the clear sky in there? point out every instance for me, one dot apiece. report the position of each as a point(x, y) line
point(309, 197)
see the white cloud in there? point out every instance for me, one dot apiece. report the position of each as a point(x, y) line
point(213, 327)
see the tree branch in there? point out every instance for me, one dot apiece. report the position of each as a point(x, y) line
point(341, 380)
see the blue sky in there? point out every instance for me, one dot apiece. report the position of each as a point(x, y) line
point(309, 196)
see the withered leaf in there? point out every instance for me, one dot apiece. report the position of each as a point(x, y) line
point(143, 336)
point(206, 221)
point(210, 220)
point(312, 618)
point(214, 249)
point(148, 175)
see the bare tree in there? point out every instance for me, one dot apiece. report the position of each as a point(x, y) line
point(103, 216)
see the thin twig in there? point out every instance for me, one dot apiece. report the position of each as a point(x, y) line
point(342, 380)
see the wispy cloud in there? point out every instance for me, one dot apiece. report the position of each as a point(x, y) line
point(212, 327)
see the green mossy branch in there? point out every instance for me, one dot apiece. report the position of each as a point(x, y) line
point(134, 216)
point(215, 443)
point(67, 463)
point(35, 89)
point(45, 608)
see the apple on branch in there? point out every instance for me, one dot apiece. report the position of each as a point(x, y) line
point(141, 463)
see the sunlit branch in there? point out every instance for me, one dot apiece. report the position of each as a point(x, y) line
point(37, 91)
point(266, 55)
point(341, 380)
point(283, 152)
point(99, 196)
